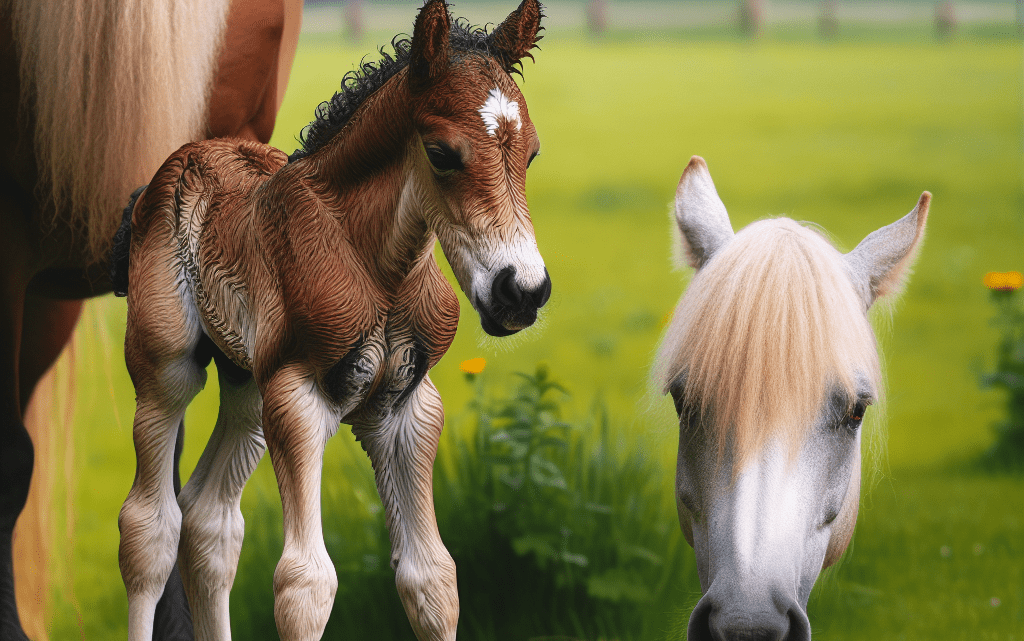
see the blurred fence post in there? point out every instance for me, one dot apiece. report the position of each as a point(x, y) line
point(597, 17)
point(945, 20)
point(828, 20)
point(751, 17)
point(354, 25)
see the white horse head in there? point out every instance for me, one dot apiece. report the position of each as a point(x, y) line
point(771, 361)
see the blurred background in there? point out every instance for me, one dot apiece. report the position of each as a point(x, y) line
point(554, 486)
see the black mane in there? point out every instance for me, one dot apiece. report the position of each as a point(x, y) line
point(357, 85)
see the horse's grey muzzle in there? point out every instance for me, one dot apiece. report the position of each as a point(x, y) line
point(725, 615)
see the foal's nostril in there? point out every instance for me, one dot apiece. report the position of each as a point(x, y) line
point(543, 293)
point(505, 291)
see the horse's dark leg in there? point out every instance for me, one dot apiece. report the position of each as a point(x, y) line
point(15, 445)
point(173, 620)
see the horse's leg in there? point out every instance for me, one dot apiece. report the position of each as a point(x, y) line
point(16, 453)
point(212, 525)
point(297, 422)
point(46, 327)
point(402, 450)
point(160, 341)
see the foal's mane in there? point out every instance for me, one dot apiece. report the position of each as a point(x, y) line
point(359, 84)
point(768, 332)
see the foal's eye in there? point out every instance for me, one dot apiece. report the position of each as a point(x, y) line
point(443, 158)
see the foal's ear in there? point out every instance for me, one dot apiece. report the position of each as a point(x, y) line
point(431, 49)
point(700, 214)
point(881, 262)
point(513, 39)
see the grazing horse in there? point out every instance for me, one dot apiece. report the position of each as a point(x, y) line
point(772, 363)
point(311, 281)
point(93, 96)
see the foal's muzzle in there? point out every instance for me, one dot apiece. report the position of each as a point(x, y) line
point(512, 307)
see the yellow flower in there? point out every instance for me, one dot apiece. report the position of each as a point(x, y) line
point(1004, 281)
point(473, 365)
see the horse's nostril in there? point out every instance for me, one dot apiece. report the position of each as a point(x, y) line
point(799, 625)
point(699, 627)
point(505, 291)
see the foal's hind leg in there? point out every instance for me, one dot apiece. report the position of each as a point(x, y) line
point(173, 619)
point(161, 337)
point(402, 450)
point(212, 525)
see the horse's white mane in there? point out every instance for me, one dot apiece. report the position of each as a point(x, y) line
point(766, 330)
point(115, 88)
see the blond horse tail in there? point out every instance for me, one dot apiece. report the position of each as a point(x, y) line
point(113, 88)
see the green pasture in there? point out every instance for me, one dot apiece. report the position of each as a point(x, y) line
point(847, 135)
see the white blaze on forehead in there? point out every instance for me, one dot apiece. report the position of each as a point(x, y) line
point(499, 107)
point(767, 511)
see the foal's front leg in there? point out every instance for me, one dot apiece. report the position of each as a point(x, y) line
point(297, 422)
point(402, 449)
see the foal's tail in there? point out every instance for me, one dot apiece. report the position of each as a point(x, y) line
point(123, 246)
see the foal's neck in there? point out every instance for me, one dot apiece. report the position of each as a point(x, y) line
point(364, 176)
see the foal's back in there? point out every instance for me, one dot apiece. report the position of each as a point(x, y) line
point(201, 207)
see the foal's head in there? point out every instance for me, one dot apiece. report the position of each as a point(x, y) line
point(475, 141)
point(772, 363)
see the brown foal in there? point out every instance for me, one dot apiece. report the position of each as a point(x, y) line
point(312, 282)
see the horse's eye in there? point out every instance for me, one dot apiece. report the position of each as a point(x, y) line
point(532, 156)
point(856, 416)
point(443, 158)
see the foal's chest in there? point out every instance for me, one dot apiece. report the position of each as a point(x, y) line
point(377, 374)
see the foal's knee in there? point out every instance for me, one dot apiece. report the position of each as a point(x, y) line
point(429, 592)
point(149, 541)
point(304, 589)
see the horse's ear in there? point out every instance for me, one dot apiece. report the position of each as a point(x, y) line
point(431, 46)
point(700, 214)
point(881, 262)
point(513, 39)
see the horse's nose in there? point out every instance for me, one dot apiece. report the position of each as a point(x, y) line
point(721, 617)
point(506, 292)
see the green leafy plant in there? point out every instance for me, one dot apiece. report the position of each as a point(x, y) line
point(586, 523)
point(1008, 449)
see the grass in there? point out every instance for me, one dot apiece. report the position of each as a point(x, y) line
point(846, 135)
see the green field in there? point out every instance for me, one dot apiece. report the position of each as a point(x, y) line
point(846, 135)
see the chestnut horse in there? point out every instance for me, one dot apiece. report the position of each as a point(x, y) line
point(311, 280)
point(93, 96)
point(771, 362)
